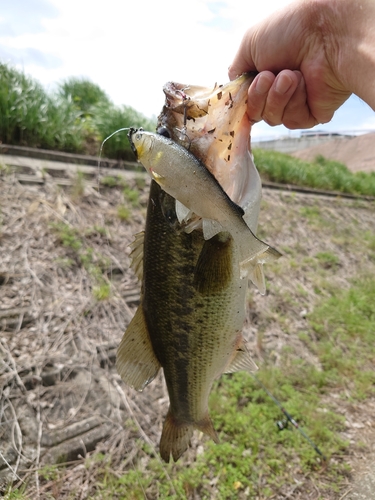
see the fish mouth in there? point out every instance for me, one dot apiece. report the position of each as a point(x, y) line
point(193, 101)
point(131, 132)
point(212, 123)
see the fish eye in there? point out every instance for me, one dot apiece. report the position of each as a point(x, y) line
point(164, 132)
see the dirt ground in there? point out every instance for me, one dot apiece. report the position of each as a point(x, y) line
point(357, 153)
point(60, 396)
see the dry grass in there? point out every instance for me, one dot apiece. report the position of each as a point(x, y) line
point(60, 397)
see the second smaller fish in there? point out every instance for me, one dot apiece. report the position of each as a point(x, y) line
point(180, 174)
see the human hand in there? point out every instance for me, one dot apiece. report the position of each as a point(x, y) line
point(280, 100)
point(295, 45)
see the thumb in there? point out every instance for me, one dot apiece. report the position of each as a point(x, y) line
point(243, 60)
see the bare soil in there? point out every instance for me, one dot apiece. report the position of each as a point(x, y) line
point(357, 153)
point(60, 396)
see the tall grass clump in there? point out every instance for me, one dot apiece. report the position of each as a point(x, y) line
point(31, 117)
point(109, 118)
point(102, 117)
point(84, 94)
point(320, 174)
point(75, 118)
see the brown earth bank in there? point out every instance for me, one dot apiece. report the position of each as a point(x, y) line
point(60, 396)
point(357, 153)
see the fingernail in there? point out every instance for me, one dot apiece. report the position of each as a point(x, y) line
point(283, 84)
point(262, 84)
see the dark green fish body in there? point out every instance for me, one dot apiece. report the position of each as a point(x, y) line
point(192, 305)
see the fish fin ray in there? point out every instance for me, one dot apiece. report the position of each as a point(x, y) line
point(206, 426)
point(256, 275)
point(183, 213)
point(242, 361)
point(253, 268)
point(136, 254)
point(136, 361)
point(176, 436)
point(211, 228)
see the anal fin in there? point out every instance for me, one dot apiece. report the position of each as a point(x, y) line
point(136, 361)
point(253, 268)
point(242, 361)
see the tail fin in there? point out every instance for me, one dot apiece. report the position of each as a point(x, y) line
point(176, 436)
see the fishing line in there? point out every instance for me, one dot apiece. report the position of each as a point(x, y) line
point(289, 418)
point(101, 148)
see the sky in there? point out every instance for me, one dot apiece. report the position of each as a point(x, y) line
point(132, 48)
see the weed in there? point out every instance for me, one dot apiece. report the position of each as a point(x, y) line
point(140, 181)
point(67, 235)
point(321, 174)
point(123, 212)
point(328, 260)
point(78, 186)
point(77, 115)
point(131, 195)
point(85, 256)
point(110, 181)
point(344, 327)
point(102, 292)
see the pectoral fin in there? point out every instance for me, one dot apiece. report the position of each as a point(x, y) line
point(211, 228)
point(183, 213)
point(242, 361)
point(256, 275)
point(136, 361)
point(253, 268)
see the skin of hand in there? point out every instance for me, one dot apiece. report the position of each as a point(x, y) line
point(311, 56)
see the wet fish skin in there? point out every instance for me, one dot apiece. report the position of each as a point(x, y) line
point(191, 314)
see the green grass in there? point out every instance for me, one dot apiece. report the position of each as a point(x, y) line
point(75, 118)
point(31, 117)
point(320, 174)
point(107, 119)
point(255, 458)
point(81, 254)
point(345, 328)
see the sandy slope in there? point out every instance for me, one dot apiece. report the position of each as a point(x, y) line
point(357, 153)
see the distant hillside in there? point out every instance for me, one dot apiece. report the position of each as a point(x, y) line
point(357, 153)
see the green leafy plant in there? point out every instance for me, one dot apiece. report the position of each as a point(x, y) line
point(321, 174)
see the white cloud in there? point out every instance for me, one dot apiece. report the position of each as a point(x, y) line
point(132, 48)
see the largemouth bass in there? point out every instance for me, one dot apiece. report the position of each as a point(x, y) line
point(190, 318)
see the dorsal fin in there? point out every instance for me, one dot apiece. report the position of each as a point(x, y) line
point(136, 254)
